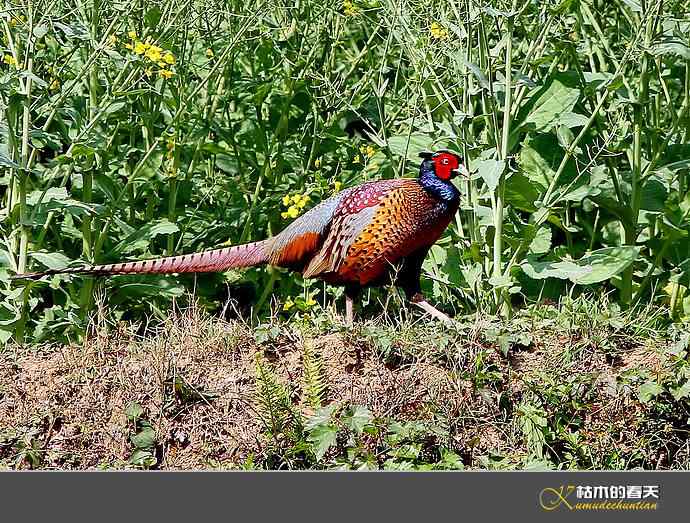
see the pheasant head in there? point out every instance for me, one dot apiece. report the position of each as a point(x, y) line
point(446, 164)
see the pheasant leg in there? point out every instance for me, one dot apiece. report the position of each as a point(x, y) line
point(419, 301)
point(349, 315)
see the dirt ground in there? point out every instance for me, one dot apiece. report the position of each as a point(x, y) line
point(194, 379)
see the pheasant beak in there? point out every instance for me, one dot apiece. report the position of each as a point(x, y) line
point(462, 170)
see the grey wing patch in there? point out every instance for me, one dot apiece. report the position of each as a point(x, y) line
point(316, 220)
point(341, 236)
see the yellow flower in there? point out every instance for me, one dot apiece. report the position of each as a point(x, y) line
point(356, 159)
point(129, 46)
point(674, 286)
point(112, 39)
point(164, 73)
point(139, 48)
point(209, 53)
point(289, 304)
point(9, 60)
point(162, 65)
point(337, 186)
point(132, 35)
point(148, 71)
point(295, 204)
point(153, 53)
point(169, 58)
point(55, 84)
point(438, 31)
point(349, 8)
point(367, 150)
point(317, 163)
point(310, 302)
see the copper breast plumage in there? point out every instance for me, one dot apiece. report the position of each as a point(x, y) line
point(404, 219)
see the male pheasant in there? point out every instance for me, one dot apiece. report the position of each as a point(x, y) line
point(365, 235)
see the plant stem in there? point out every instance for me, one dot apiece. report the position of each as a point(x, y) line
point(500, 294)
point(638, 125)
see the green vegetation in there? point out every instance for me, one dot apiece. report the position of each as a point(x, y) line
point(133, 129)
point(581, 385)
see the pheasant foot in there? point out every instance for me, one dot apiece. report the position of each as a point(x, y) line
point(419, 300)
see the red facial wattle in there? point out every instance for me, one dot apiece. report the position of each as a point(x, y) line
point(444, 164)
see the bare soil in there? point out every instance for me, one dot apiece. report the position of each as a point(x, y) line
point(65, 407)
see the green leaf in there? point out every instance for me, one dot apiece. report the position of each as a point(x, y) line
point(521, 192)
point(265, 333)
point(541, 243)
point(40, 82)
point(681, 392)
point(409, 146)
point(145, 438)
point(600, 265)
point(163, 227)
point(654, 195)
point(564, 269)
point(634, 5)
point(478, 74)
point(160, 288)
point(6, 162)
point(671, 46)
point(681, 344)
point(115, 107)
point(53, 193)
point(40, 31)
point(501, 281)
point(540, 158)
point(450, 461)
point(140, 238)
point(606, 263)
point(5, 335)
point(550, 104)
point(649, 390)
point(142, 458)
point(490, 170)
point(358, 418)
point(320, 417)
point(52, 260)
point(152, 17)
point(571, 120)
point(134, 411)
point(322, 438)
point(472, 274)
point(532, 422)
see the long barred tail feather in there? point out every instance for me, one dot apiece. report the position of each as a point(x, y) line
point(216, 260)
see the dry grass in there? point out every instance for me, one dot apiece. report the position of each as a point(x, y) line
point(65, 407)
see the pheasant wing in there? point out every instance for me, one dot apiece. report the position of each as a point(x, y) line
point(300, 240)
point(355, 211)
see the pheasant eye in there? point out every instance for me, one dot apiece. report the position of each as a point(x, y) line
point(444, 161)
